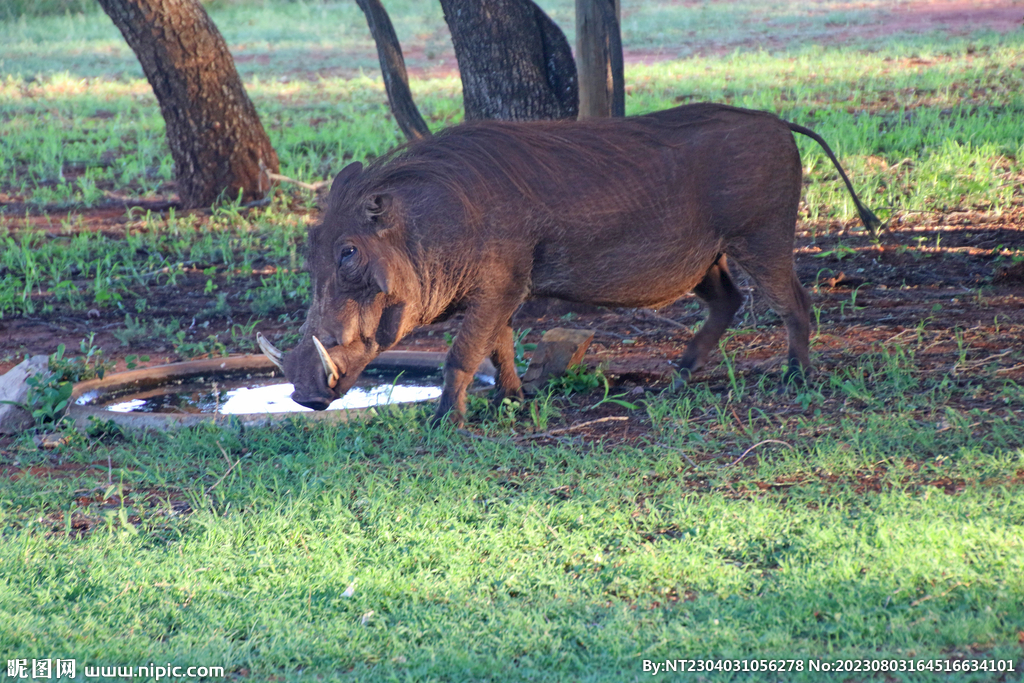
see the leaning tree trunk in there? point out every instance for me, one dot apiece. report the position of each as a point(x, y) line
point(599, 59)
point(216, 138)
point(392, 67)
point(514, 61)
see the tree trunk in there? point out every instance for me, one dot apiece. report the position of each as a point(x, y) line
point(392, 67)
point(599, 59)
point(216, 138)
point(515, 62)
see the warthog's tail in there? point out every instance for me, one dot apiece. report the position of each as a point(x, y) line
point(870, 220)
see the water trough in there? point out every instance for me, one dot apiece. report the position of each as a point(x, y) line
point(250, 391)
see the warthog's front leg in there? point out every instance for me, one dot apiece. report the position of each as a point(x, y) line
point(485, 329)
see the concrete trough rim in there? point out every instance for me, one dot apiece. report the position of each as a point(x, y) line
point(158, 375)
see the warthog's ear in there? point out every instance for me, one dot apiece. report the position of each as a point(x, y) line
point(344, 177)
point(377, 205)
point(390, 325)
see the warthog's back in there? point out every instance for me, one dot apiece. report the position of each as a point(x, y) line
point(614, 211)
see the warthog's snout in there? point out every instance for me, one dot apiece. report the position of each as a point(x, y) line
point(314, 402)
point(313, 374)
point(317, 392)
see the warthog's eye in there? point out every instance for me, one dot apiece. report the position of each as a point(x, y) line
point(346, 254)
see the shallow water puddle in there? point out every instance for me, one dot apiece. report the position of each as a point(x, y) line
point(266, 395)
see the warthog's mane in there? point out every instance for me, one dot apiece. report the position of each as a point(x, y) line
point(478, 163)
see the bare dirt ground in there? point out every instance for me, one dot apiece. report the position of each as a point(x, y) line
point(951, 19)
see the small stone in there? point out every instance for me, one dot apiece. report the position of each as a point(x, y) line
point(50, 441)
point(558, 350)
point(13, 387)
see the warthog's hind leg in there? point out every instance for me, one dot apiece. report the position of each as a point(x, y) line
point(723, 299)
point(778, 282)
point(797, 316)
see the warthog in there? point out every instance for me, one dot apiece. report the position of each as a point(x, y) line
point(630, 212)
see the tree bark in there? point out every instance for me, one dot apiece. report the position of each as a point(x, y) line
point(599, 59)
point(392, 67)
point(515, 62)
point(217, 141)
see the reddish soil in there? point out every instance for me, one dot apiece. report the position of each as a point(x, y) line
point(436, 58)
point(916, 18)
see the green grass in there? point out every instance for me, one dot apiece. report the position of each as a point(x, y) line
point(872, 537)
point(920, 127)
point(85, 270)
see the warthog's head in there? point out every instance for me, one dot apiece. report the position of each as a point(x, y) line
point(360, 275)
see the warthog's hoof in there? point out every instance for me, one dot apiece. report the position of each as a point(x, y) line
point(794, 376)
point(499, 399)
point(451, 417)
point(681, 378)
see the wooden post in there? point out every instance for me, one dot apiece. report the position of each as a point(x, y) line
point(599, 58)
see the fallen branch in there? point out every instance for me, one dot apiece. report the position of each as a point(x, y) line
point(970, 365)
point(481, 437)
point(223, 476)
point(926, 598)
point(648, 315)
point(970, 251)
point(180, 265)
point(544, 522)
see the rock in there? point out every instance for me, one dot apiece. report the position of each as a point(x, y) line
point(558, 350)
point(13, 388)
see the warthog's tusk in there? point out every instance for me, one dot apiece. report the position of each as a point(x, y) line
point(330, 369)
point(270, 351)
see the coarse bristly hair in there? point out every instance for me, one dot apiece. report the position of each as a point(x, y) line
point(478, 163)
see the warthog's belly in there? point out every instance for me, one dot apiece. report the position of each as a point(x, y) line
point(629, 274)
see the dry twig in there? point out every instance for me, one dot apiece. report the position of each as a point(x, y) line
point(565, 430)
point(759, 443)
point(315, 187)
